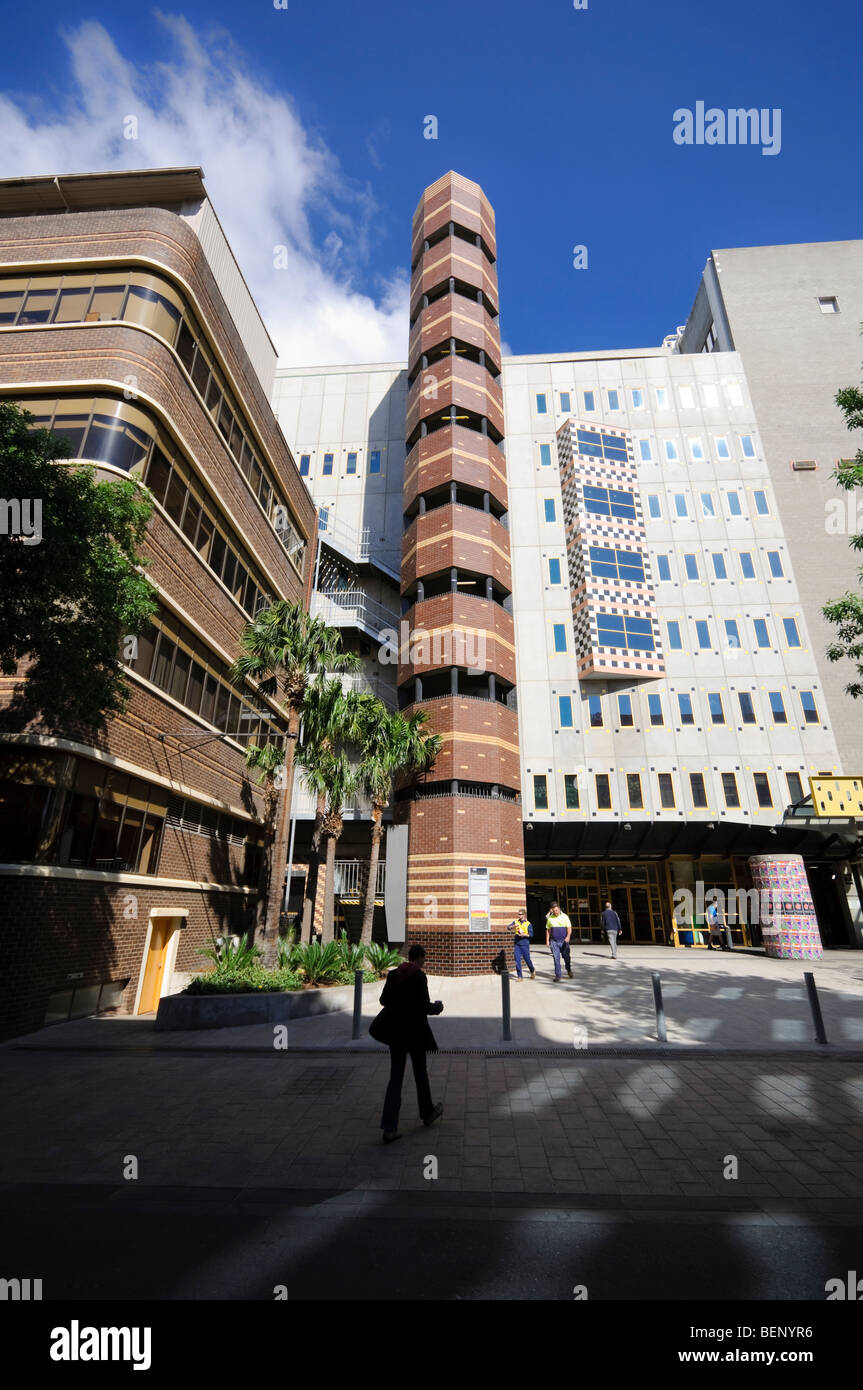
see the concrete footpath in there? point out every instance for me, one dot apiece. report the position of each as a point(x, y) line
point(725, 1002)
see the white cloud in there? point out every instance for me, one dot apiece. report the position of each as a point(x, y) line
point(272, 182)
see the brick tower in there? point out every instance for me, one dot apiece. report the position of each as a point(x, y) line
point(466, 856)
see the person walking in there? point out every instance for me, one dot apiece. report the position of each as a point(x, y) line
point(523, 932)
point(559, 929)
point(403, 1026)
point(611, 922)
point(715, 924)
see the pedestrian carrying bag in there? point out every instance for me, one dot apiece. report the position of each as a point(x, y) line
point(380, 1028)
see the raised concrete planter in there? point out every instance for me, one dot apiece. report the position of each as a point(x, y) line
point(183, 1011)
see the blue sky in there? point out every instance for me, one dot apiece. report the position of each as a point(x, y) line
point(309, 124)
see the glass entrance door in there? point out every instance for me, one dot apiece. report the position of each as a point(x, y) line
point(633, 907)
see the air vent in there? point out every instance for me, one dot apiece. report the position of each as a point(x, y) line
point(803, 465)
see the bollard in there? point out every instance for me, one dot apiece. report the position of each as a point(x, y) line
point(661, 1032)
point(815, 1006)
point(728, 940)
point(507, 1013)
point(358, 1005)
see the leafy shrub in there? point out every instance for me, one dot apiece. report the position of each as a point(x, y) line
point(317, 963)
point(382, 958)
point(232, 959)
point(351, 958)
point(285, 949)
point(249, 981)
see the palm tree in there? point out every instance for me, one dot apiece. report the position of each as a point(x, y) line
point(282, 651)
point(268, 762)
point(392, 745)
point(331, 715)
point(330, 774)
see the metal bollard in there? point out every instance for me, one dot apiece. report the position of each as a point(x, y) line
point(661, 1031)
point(507, 1012)
point(815, 1006)
point(358, 1005)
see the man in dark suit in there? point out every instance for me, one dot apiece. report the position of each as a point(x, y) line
point(403, 1026)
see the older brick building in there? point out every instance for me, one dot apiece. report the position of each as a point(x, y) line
point(127, 328)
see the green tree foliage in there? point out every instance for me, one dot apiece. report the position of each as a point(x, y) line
point(71, 592)
point(846, 613)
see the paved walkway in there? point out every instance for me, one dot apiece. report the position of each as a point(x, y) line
point(736, 1002)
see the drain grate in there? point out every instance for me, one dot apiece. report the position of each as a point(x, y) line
point(319, 1081)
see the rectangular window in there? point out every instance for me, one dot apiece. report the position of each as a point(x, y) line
point(674, 641)
point(613, 400)
point(663, 568)
point(548, 504)
point(762, 788)
point(554, 571)
point(707, 507)
point(589, 401)
point(747, 568)
point(702, 633)
point(680, 504)
point(686, 399)
point(603, 792)
point(774, 561)
point(305, 465)
point(734, 508)
point(747, 446)
point(564, 402)
point(621, 630)
point(654, 708)
point(697, 788)
point(747, 709)
point(653, 507)
point(792, 636)
point(594, 710)
point(828, 304)
point(734, 393)
point(691, 565)
point(696, 450)
point(540, 792)
point(670, 451)
point(570, 789)
point(719, 570)
point(644, 450)
point(732, 634)
point(637, 400)
point(624, 711)
point(717, 713)
point(661, 398)
point(352, 463)
point(666, 791)
point(559, 637)
point(810, 709)
point(328, 464)
point(606, 563)
point(795, 786)
point(545, 455)
point(761, 506)
point(710, 393)
point(375, 461)
point(541, 404)
point(777, 707)
point(603, 501)
point(722, 450)
point(633, 791)
point(684, 704)
point(729, 790)
point(762, 636)
point(565, 710)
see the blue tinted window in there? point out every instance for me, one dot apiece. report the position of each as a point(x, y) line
point(549, 509)
point(565, 707)
point(663, 567)
point(328, 463)
point(545, 455)
point(685, 704)
point(589, 403)
point(761, 503)
point(719, 567)
point(375, 461)
point(810, 709)
point(717, 714)
point(747, 568)
point(734, 508)
point(680, 504)
point(792, 636)
point(732, 636)
point(722, 449)
point(747, 446)
point(774, 560)
point(702, 632)
point(560, 637)
point(644, 450)
point(691, 566)
point(564, 402)
point(305, 465)
point(674, 635)
point(606, 563)
point(554, 571)
point(747, 709)
point(637, 400)
point(352, 463)
point(613, 401)
point(653, 506)
point(615, 630)
point(777, 707)
point(624, 709)
point(594, 709)
point(654, 706)
point(762, 636)
point(541, 404)
point(671, 451)
point(609, 502)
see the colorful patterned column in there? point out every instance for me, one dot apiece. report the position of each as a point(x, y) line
point(781, 882)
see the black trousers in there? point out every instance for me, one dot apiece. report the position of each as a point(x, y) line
point(393, 1098)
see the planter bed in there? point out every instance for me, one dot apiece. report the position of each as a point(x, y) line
point(183, 1011)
